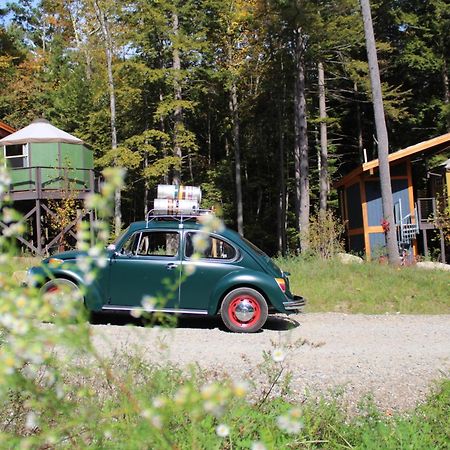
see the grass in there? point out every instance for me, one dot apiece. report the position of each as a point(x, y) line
point(369, 288)
point(111, 421)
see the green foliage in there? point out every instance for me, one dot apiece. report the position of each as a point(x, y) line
point(53, 64)
point(325, 235)
point(369, 288)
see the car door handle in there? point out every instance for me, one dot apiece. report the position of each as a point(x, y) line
point(171, 266)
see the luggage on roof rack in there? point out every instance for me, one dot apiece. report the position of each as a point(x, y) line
point(179, 217)
point(176, 202)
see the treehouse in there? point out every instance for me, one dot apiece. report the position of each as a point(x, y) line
point(47, 165)
point(414, 203)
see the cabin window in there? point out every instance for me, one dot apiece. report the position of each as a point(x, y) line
point(16, 156)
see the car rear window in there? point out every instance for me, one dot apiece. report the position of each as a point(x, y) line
point(208, 247)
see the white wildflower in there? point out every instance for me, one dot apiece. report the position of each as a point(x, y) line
point(59, 391)
point(31, 421)
point(278, 355)
point(20, 327)
point(222, 430)
point(258, 446)
point(159, 402)
point(156, 421)
point(102, 262)
point(8, 215)
point(240, 388)
point(200, 242)
point(289, 423)
point(94, 252)
point(136, 313)
point(208, 390)
point(89, 278)
point(107, 434)
point(189, 269)
point(148, 303)
point(83, 264)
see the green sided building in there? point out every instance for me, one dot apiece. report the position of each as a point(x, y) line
point(46, 165)
point(45, 159)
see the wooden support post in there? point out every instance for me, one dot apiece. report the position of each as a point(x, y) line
point(91, 227)
point(443, 258)
point(425, 243)
point(38, 227)
point(91, 181)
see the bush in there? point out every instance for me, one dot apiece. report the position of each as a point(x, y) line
point(325, 235)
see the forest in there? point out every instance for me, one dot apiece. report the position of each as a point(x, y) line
point(262, 103)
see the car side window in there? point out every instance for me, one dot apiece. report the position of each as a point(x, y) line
point(130, 245)
point(158, 243)
point(208, 247)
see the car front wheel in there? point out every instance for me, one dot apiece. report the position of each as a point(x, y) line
point(244, 310)
point(62, 296)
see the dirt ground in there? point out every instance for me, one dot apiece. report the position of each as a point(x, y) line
point(395, 358)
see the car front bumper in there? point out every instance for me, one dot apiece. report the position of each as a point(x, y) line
point(295, 305)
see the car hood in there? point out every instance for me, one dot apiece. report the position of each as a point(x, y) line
point(71, 254)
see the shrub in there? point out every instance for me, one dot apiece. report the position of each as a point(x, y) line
point(325, 235)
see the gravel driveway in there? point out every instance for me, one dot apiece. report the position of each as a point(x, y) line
point(395, 357)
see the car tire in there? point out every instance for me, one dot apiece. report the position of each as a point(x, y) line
point(244, 310)
point(60, 287)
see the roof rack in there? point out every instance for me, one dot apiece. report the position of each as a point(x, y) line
point(183, 216)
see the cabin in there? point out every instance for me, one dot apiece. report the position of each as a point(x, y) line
point(414, 207)
point(46, 165)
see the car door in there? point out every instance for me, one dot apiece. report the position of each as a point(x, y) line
point(148, 265)
point(204, 265)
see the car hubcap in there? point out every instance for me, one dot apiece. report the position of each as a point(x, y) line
point(244, 311)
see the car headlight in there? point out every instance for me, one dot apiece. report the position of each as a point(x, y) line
point(55, 261)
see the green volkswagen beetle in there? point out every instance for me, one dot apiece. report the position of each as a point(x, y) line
point(182, 269)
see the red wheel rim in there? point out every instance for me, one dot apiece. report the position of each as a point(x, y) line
point(232, 309)
point(52, 289)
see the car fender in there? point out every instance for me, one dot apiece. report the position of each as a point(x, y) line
point(247, 278)
point(92, 293)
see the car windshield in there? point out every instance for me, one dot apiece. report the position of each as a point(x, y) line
point(119, 238)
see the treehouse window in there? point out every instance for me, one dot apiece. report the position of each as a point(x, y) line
point(16, 156)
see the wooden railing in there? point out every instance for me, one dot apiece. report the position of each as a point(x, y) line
point(45, 178)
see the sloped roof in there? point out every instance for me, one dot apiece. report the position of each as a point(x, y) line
point(40, 130)
point(6, 127)
point(436, 145)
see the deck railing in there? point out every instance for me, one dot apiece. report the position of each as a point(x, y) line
point(45, 178)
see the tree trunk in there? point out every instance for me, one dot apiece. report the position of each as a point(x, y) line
point(163, 129)
point(178, 113)
point(382, 136)
point(145, 187)
point(281, 204)
point(359, 125)
point(323, 176)
point(446, 91)
point(301, 143)
point(281, 201)
point(103, 20)
point(237, 156)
